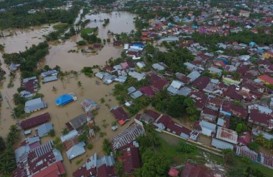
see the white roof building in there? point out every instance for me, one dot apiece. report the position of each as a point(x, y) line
point(69, 135)
point(34, 105)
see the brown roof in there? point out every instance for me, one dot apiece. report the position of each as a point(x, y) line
point(130, 159)
point(120, 114)
point(35, 121)
point(193, 170)
point(201, 82)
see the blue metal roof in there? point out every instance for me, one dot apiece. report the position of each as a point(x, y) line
point(63, 100)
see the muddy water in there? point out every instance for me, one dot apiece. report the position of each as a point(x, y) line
point(21, 39)
point(119, 22)
point(59, 55)
point(18, 41)
point(61, 115)
point(6, 118)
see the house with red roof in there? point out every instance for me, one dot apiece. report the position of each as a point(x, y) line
point(266, 79)
point(157, 82)
point(55, 170)
point(230, 109)
point(165, 122)
point(173, 172)
point(130, 159)
point(147, 91)
point(35, 121)
point(120, 115)
point(261, 119)
point(193, 170)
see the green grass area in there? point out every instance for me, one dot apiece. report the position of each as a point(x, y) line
point(88, 31)
point(196, 156)
point(241, 163)
point(60, 26)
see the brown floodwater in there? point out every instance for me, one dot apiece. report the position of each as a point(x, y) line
point(60, 115)
point(15, 41)
point(119, 22)
point(18, 40)
point(59, 54)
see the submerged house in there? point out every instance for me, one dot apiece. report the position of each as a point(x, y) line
point(65, 99)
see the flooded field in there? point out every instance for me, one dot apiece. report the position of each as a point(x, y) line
point(120, 22)
point(19, 40)
point(59, 54)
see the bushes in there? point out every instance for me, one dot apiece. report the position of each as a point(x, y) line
point(185, 148)
point(87, 71)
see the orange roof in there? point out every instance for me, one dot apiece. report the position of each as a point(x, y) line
point(121, 122)
point(266, 79)
point(54, 170)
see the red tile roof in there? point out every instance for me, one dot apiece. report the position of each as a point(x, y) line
point(201, 82)
point(256, 117)
point(130, 159)
point(120, 115)
point(235, 110)
point(173, 172)
point(147, 91)
point(54, 170)
point(192, 170)
point(106, 171)
point(157, 82)
point(267, 79)
point(232, 93)
point(35, 121)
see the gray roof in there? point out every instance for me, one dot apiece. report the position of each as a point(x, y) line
point(193, 75)
point(185, 91)
point(78, 121)
point(29, 78)
point(158, 67)
point(49, 73)
point(58, 155)
point(34, 105)
point(131, 90)
point(21, 153)
point(136, 94)
point(172, 90)
point(69, 135)
point(107, 160)
point(221, 144)
point(100, 75)
point(89, 105)
point(44, 129)
point(50, 78)
point(76, 150)
point(208, 125)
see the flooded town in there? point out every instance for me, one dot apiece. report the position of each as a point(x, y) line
point(117, 88)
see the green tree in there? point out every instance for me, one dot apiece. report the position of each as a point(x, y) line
point(7, 161)
point(228, 156)
point(154, 164)
point(2, 144)
point(106, 146)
